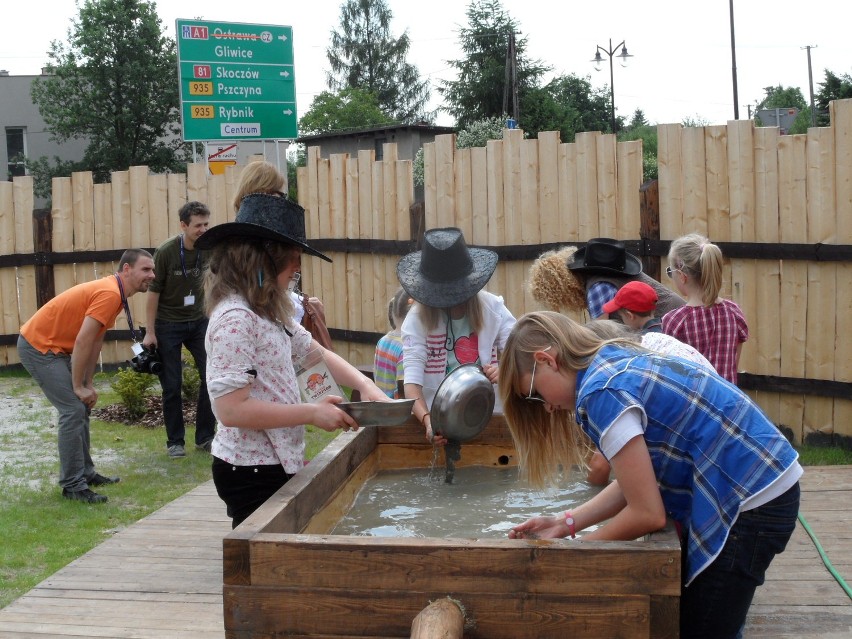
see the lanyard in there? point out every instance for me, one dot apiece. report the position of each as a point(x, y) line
point(126, 308)
point(183, 258)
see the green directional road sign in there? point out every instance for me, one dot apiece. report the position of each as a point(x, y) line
point(236, 81)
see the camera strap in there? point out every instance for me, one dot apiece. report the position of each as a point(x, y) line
point(126, 308)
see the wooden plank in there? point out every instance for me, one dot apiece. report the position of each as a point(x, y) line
point(822, 283)
point(158, 210)
point(496, 209)
point(716, 180)
point(10, 322)
point(629, 182)
point(261, 610)
point(669, 169)
point(463, 191)
point(335, 306)
point(104, 239)
point(587, 185)
point(792, 203)
point(694, 177)
point(513, 211)
point(569, 206)
point(353, 229)
point(742, 193)
point(519, 300)
point(607, 184)
point(841, 119)
point(22, 196)
point(768, 272)
point(367, 210)
point(444, 211)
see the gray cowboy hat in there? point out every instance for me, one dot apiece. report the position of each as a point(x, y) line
point(604, 256)
point(263, 216)
point(446, 272)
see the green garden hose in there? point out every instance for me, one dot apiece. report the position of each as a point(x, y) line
point(824, 557)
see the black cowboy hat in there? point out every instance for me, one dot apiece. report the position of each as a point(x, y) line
point(605, 256)
point(267, 217)
point(446, 272)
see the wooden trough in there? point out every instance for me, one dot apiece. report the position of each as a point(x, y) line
point(285, 576)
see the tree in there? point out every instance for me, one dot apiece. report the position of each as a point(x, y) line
point(481, 84)
point(364, 55)
point(835, 87)
point(115, 83)
point(348, 109)
point(567, 104)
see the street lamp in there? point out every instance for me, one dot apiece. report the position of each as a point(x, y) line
point(598, 60)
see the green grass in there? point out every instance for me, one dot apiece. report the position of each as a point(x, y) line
point(824, 456)
point(42, 531)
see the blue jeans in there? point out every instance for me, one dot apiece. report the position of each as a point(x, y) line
point(716, 603)
point(52, 372)
point(171, 337)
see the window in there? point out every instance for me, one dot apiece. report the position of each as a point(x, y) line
point(378, 145)
point(16, 150)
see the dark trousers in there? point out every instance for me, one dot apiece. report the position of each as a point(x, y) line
point(716, 603)
point(171, 336)
point(245, 488)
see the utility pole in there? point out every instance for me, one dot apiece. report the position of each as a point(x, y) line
point(734, 63)
point(511, 84)
point(811, 83)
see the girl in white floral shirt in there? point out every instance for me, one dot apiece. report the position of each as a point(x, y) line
point(252, 342)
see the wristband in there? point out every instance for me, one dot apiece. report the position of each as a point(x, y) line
point(569, 521)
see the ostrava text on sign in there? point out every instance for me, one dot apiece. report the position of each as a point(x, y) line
point(236, 81)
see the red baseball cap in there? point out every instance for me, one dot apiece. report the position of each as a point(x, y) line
point(633, 296)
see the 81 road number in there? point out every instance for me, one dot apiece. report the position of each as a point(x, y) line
point(202, 111)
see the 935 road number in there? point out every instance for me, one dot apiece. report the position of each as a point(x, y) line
point(202, 111)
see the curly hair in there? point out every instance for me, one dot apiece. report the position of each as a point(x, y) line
point(554, 285)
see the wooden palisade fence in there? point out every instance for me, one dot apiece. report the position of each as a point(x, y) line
point(780, 207)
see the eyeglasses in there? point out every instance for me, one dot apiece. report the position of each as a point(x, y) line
point(534, 397)
point(670, 270)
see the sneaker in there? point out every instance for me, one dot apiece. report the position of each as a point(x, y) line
point(176, 450)
point(84, 495)
point(100, 480)
point(205, 446)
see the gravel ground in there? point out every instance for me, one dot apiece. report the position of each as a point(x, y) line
point(28, 450)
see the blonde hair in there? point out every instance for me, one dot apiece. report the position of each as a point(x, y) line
point(398, 308)
point(697, 257)
point(554, 285)
point(547, 443)
point(433, 316)
point(258, 177)
point(249, 268)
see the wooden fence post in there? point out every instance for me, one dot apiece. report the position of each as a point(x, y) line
point(43, 240)
point(649, 224)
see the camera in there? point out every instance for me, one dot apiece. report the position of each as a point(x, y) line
point(147, 360)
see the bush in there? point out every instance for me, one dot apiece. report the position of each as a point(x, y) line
point(191, 384)
point(133, 388)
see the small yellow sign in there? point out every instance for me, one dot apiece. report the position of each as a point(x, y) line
point(200, 88)
point(202, 111)
point(217, 167)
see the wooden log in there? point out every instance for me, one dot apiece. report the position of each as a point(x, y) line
point(442, 619)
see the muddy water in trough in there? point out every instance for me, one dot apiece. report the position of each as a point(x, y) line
point(481, 502)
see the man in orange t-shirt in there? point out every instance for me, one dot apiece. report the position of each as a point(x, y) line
point(59, 346)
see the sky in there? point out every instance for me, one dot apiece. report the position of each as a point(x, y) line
point(681, 66)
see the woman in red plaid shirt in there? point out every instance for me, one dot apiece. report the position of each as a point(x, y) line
point(714, 326)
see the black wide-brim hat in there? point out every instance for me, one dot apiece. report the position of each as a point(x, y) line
point(263, 216)
point(604, 256)
point(446, 272)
